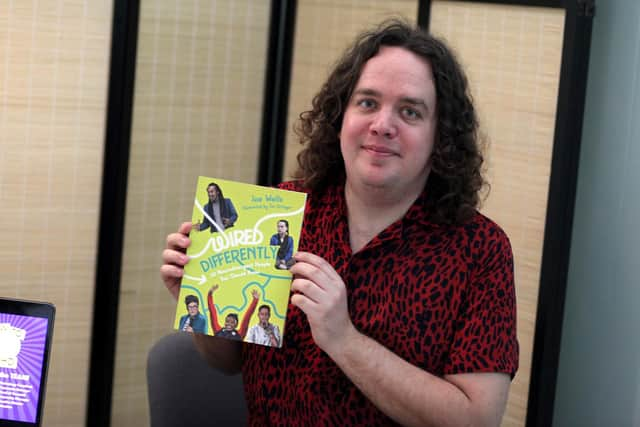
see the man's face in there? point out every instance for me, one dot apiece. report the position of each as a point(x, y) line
point(282, 227)
point(264, 315)
point(230, 323)
point(389, 125)
point(192, 308)
point(212, 191)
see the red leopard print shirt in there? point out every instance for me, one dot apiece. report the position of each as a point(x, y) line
point(441, 297)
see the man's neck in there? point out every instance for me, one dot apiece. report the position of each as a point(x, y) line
point(371, 210)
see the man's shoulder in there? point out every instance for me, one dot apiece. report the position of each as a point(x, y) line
point(295, 185)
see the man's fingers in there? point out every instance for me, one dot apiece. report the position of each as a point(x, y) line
point(308, 288)
point(185, 228)
point(323, 277)
point(170, 256)
point(178, 241)
point(310, 259)
point(171, 277)
point(171, 272)
point(303, 303)
point(313, 265)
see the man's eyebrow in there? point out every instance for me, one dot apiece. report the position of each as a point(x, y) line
point(408, 99)
point(415, 101)
point(366, 91)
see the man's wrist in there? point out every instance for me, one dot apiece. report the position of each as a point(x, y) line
point(349, 341)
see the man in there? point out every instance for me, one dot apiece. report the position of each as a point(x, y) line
point(403, 304)
point(264, 333)
point(218, 209)
point(193, 321)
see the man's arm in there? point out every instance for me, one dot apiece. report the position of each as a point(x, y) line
point(412, 396)
point(406, 393)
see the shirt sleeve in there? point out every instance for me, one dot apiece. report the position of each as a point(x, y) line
point(485, 329)
point(276, 333)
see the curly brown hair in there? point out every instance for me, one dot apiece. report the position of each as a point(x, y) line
point(455, 179)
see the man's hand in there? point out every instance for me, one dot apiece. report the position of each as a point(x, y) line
point(174, 258)
point(321, 294)
point(255, 294)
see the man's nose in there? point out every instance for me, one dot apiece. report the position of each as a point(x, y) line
point(383, 124)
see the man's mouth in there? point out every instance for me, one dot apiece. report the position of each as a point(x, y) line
point(378, 149)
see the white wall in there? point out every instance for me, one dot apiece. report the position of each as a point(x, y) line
point(599, 371)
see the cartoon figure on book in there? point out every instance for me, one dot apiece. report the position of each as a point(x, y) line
point(284, 257)
point(403, 300)
point(264, 333)
point(228, 330)
point(193, 321)
point(218, 209)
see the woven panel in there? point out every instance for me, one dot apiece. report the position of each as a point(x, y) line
point(512, 56)
point(197, 111)
point(54, 60)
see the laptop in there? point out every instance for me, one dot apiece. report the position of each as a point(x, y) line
point(26, 330)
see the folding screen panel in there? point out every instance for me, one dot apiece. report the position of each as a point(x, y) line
point(512, 55)
point(54, 63)
point(197, 111)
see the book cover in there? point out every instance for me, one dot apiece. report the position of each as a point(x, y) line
point(237, 284)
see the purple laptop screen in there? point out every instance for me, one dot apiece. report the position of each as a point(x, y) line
point(22, 342)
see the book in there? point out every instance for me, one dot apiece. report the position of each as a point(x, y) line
point(236, 284)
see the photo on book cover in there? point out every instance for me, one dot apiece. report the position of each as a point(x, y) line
point(237, 284)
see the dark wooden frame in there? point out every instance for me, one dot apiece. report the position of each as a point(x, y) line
point(560, 203)
point(124, 41)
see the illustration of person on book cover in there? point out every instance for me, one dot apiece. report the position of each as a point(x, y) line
point(284, 257)
point(193, 321)
point(219, 209)
point(264, 332)
point(229, 328)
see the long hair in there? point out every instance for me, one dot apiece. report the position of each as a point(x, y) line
point(455, 179)
point(224, 211)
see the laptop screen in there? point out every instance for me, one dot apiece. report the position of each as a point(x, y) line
point(25, 336)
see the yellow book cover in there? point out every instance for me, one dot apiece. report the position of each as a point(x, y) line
point(237, 284)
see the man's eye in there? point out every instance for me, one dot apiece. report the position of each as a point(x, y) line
point(411, 113)
point(366, 103)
